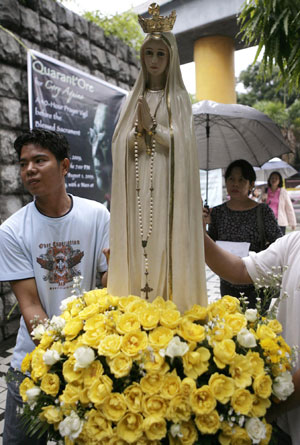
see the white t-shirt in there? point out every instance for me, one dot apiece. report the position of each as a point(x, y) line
point(53, 251)
point(284, 252)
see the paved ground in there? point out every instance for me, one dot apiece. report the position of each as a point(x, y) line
point(6, 347)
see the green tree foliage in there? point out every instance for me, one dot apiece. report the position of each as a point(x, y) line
point(262, 86)
point(274, 25)
point(124, 26)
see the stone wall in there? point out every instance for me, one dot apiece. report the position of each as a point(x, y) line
point(48, 27)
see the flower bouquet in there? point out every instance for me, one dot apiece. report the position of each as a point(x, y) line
point(120, 370)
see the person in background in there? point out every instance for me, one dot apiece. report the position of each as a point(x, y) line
point(256, 194)
point(43, 247)
point(285, 251)
point(279, 201)
point(241, 220)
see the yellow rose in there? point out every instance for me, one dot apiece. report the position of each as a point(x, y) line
point(196, 312)
point(50, 384)
point(92, 338)
point(96, 323)
point(191, 331)
point(257, 363)
point(270, 346)
point(215, 310)
point(154, 405)
point(120, 365)
point(133, 397)
point(240, 436)
point(170, 318)
point(69, 373)
point(220, 332)
point(179, 409)
point(242, 401)
point(26, 384)
point(100, 389)
point(115, 440)
point(275, 325)
point(189, 433)
point(154, 362)
point(94, 295)
point(208, 423)
point(126, 301)
point(130, 427)
point(26, 363)
point(84, 396)
point(57, 346)
point(224, 353)
point(110, 345)
point(231, 304)
point(92, 373)
point(114, 406)
point(259, 407)
point(262, 386)
point(72, 328)
point(236, 322)
point(126, 323)
point(134, 342)
point(171, 385)
point(149, 317)
point(71, 393)
point(160, 337)
point(88, 311)
point(188, 385)
point(75, 307)
point(263, 331)
point(240, 370)
point(196, 363)
point(222, 387)
point(155, 427)
point(46, 340)
point(203, 400)
point(97, 427)
point(152, 383)
point(38, 366)
point(226, 434)
point(51, 414)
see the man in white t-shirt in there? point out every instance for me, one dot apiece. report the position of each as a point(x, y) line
point(284, 251)
point(43, 246)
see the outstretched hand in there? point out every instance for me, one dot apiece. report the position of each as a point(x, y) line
point(206, 216)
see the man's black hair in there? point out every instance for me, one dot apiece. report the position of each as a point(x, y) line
point(55, 142)
point(280, 179)
point(248, 171)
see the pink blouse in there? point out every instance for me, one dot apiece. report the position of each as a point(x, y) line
point(273, 200)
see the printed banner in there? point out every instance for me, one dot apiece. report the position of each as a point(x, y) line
point(83, 108)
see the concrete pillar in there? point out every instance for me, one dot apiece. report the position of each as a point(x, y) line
point(214, 63)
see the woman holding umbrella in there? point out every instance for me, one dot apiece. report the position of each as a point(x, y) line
point(241, 220)
point(279, 201)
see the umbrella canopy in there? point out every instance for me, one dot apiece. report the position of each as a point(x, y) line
point(275, 164)
point(226, 132)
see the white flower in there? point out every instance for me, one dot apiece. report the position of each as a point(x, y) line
point(256, 429)
point(32, 394)
point(71, 426)
point(57, 323)
point(84, 356)
point(246, 338)
point(38, 332)
point(283, 385)
point(64, 303)
point(175, 430)
point(50, 357)
point(176, 348)
point(251, 314)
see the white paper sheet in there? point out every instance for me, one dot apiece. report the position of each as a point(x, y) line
point(237, 248)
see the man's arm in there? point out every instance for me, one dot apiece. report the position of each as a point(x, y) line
point(228, 266)
point(29, 301)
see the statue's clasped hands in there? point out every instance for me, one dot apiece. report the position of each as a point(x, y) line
point(145, 121)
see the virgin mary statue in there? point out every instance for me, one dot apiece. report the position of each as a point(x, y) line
point(156, 238)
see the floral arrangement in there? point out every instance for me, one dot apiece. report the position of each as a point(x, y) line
point(121, 370)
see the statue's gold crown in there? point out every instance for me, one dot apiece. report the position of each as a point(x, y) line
point(157, 23)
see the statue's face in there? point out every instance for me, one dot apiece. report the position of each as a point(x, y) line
point(156, 57)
